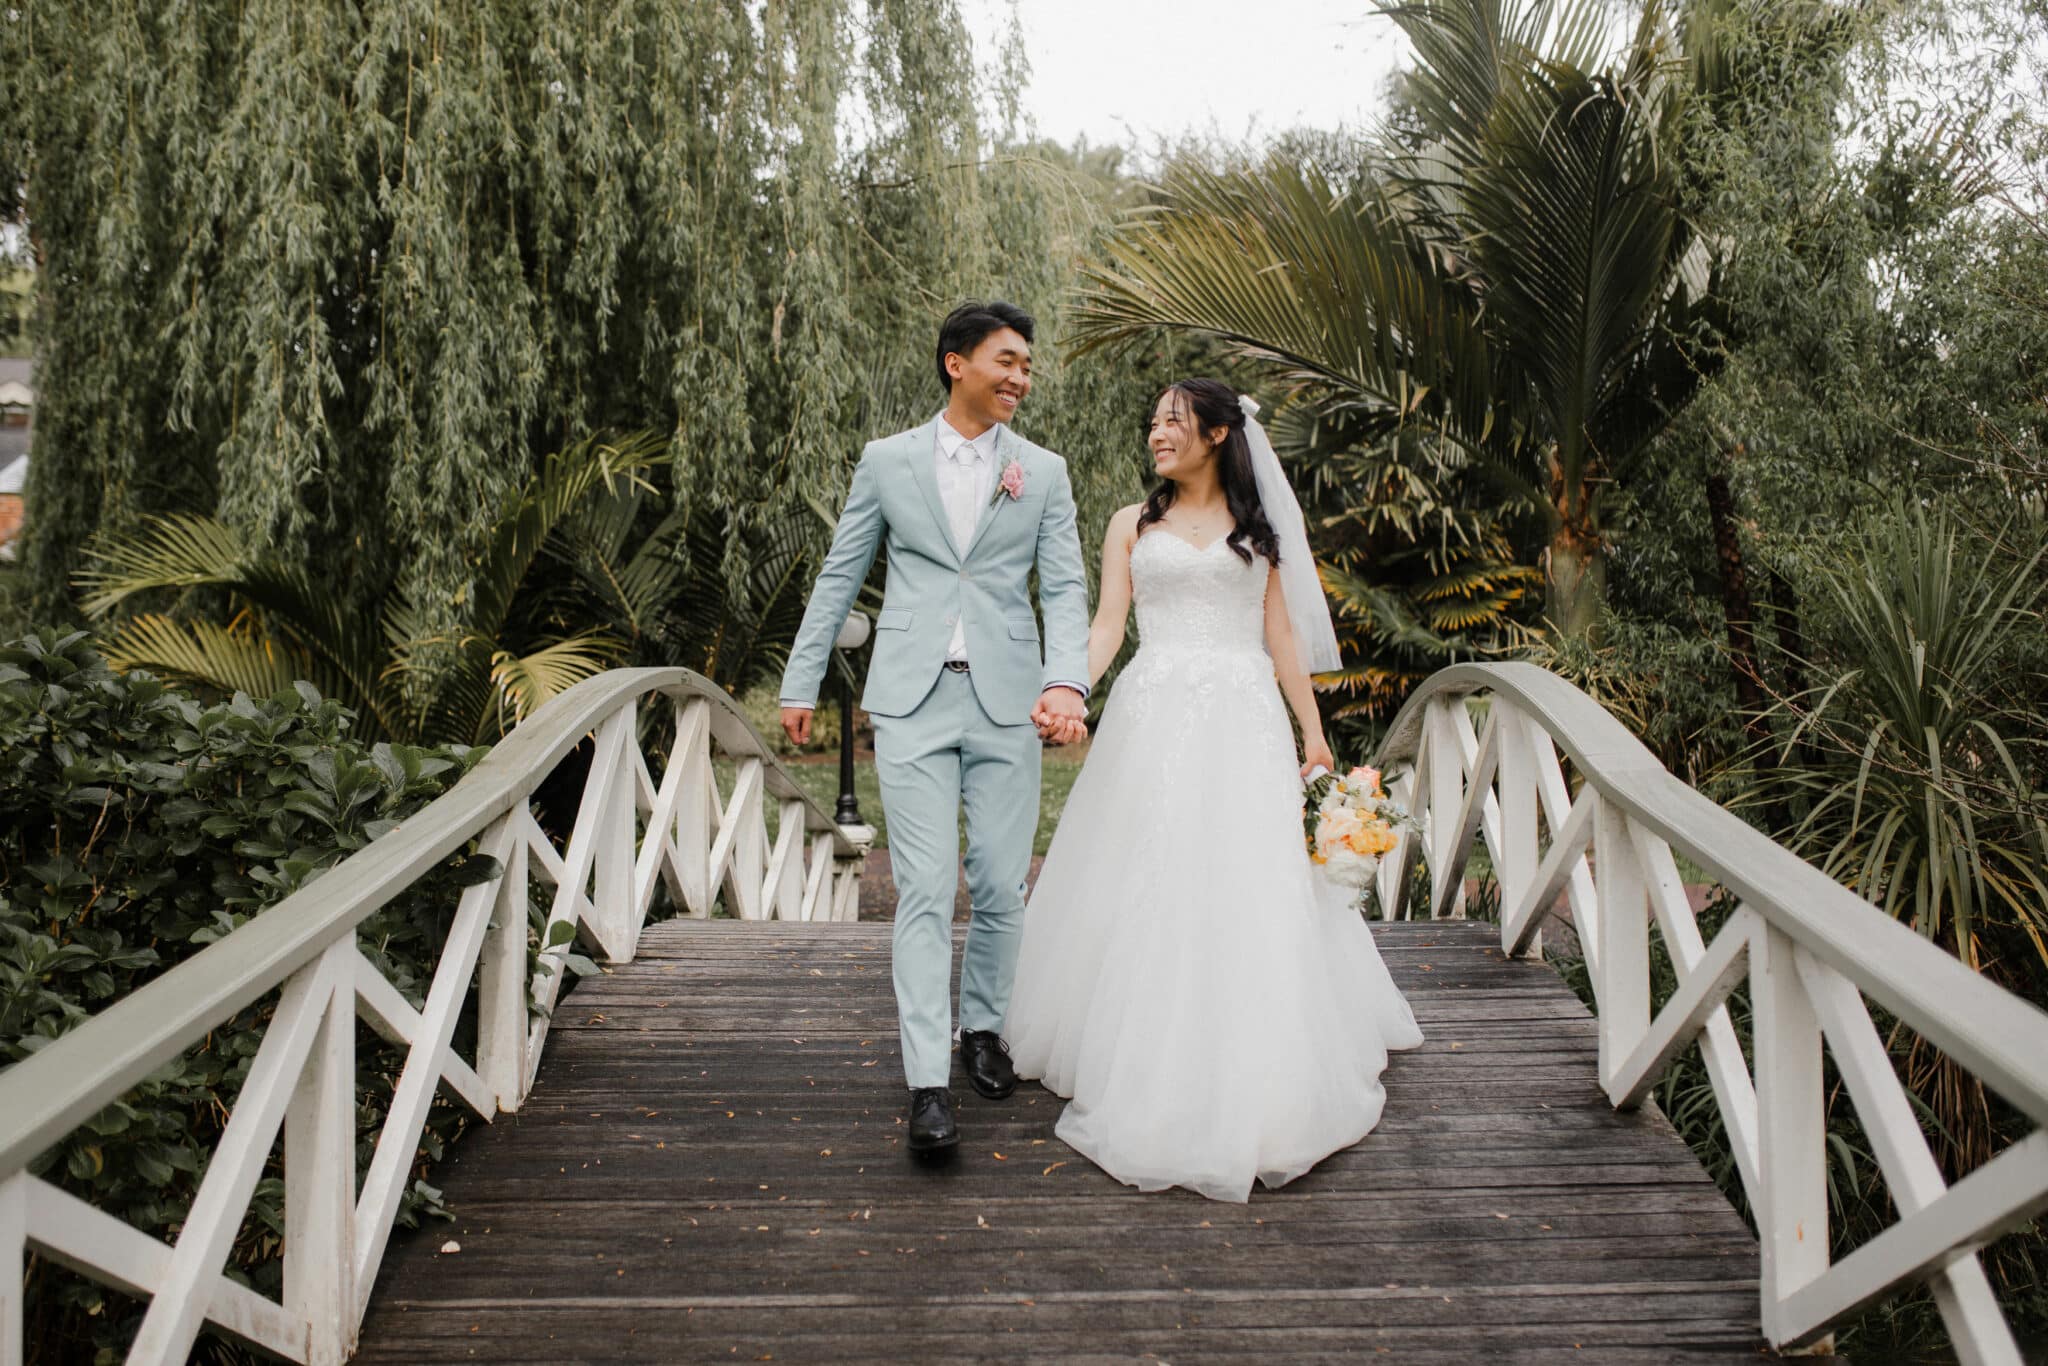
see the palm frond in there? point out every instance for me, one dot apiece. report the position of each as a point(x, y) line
point(227, 659)
point(1330, 285)
point(168, 552)
point(550, 497)
point(183, 551)
point(525, 682)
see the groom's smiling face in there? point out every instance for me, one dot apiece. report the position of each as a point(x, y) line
point(990, 383)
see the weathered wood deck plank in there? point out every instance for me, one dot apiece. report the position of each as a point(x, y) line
point(712, 1167)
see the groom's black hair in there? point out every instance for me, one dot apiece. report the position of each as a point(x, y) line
point(966, 326)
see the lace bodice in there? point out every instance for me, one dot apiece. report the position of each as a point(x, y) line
point(1201, 666)
point(1208, 600)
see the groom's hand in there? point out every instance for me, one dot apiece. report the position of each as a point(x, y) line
point(796, 724)
point(1061, 716)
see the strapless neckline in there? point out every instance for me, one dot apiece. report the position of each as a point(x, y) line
point(1199, 550)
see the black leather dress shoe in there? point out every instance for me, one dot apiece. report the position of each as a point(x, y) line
point(987, 1060)
point(931, 1119)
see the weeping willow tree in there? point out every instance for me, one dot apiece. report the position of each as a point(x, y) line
point(340, 274)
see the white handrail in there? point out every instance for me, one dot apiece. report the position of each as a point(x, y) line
point(1812, 950)
point(629, 831)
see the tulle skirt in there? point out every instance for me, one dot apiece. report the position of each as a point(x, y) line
point(1214, 1009)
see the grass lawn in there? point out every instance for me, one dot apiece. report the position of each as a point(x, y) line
point(821, 781)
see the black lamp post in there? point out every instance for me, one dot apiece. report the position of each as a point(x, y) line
point(852, 636)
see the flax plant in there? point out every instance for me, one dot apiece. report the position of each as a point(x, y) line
point(1918, 778)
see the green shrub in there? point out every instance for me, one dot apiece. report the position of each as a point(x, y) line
point(137, 825)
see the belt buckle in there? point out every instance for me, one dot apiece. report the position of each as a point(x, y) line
point(958, 666)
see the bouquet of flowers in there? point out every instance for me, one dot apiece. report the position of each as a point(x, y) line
point(1350, 821)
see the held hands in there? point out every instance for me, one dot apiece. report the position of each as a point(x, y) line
point(1061, 716)
point(796, 724)
point(1315, 751)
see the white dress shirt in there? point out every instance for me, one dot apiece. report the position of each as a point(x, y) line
point(966, 470)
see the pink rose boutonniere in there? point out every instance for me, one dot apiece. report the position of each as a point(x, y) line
point(1011, 482)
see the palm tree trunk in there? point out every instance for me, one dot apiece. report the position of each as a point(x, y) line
point(1575, 583)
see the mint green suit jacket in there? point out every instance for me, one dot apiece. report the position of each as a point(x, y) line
point(894, 503)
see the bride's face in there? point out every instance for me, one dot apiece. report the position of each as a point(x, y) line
point(1179, 446)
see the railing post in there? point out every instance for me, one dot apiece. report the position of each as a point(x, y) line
point(782, 893)
point(1515, 861)
point(746, 823)
point(1398, 863)
point(13, 1267)
point(694, 822)
point(177, 1310)
point(1446, 780)
point(320, 1182)
point(618, 919)
point(502, 995)
point(1792, 1213)
point(846, 891)
point(1623, 986)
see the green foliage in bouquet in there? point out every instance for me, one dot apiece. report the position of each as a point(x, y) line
point(137, 826)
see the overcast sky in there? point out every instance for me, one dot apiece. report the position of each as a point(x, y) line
point(1124, 71)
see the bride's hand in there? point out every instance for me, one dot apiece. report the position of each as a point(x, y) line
point(1316, 754)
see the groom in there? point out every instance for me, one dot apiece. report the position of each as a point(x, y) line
point(958, 691)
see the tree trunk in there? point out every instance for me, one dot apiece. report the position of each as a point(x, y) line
point(1736, 606)
point(1784, 605)
point(1575, 582)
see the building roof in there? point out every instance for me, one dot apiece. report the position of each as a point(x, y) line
point(18, 370)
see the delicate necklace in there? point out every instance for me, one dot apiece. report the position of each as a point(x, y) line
point(1197, 522)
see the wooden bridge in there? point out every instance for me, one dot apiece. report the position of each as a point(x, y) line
point(710, 1162)
point(712, 1165)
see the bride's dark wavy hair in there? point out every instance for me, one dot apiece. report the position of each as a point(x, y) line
point(1212, 404)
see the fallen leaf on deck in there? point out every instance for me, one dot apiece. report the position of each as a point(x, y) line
point(1053, 1168)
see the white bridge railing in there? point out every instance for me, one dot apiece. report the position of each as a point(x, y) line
point(1813, 953)
point(629, 831)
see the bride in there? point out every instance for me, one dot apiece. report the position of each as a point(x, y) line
point(1214, 1008)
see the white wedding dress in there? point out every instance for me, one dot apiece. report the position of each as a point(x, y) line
point(1214, 1008)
